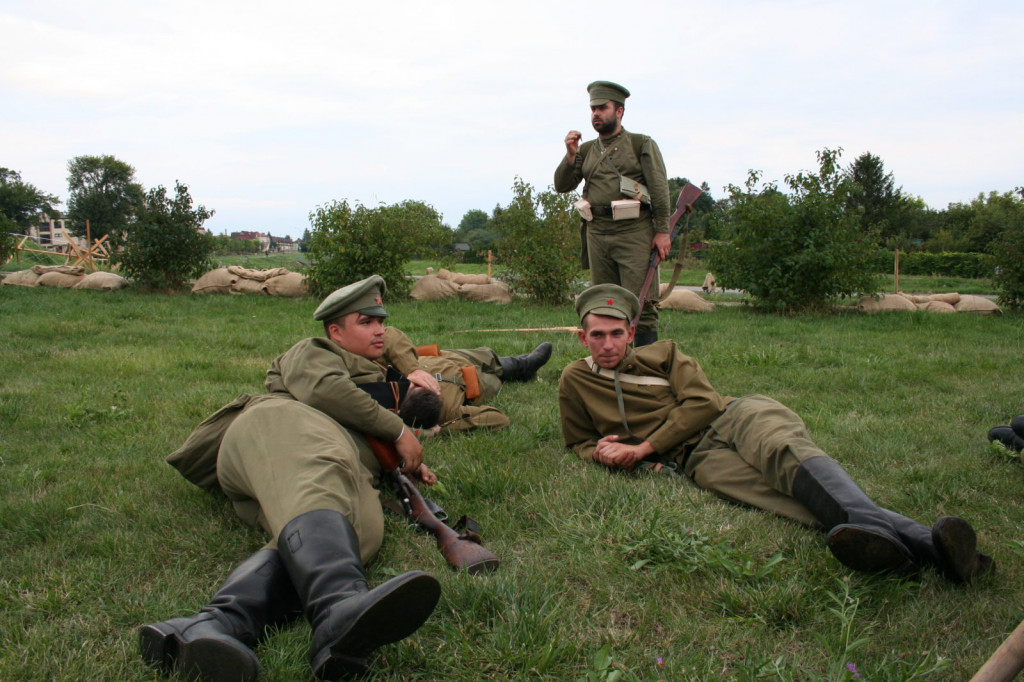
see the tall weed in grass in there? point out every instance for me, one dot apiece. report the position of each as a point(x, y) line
point(98, 535)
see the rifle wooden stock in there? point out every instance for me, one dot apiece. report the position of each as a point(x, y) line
point(684, 204)
point(461, 552)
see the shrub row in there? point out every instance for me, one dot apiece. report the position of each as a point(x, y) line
point(971, 265)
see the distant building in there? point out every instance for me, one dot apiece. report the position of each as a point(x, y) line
point(53, 232)
point(267, 242)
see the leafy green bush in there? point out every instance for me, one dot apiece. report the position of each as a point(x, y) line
point(798, 251)
point(163, 247)
point(1009, 273)
point(351, 243)
point(539, 243)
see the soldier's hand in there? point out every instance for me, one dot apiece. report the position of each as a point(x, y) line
point(426, 475)
point(616, 455)
point(572, 144)
point(424, 379)
point(662, 243)
point(410, 451)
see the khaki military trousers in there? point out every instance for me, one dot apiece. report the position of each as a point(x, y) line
point(281, 458)
point(624, 258)
point(488, 369)
point(750, 455)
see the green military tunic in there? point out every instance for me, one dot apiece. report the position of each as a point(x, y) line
point(747, 449)
point(619, 250)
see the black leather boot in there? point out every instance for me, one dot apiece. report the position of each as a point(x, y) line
point(645, 338)
point(950, 545)
point(1007, 436)
point(215, 644)
point(321, 552)
point(860, 534)
point(1017, 424)
point(524, 367)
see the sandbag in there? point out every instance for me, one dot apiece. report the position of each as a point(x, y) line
point(495, 292)
point(258, 275)
point(936, 307)
point(247, 286)
point(102, 281)
point(978, 305)
point(950, 298)
point(885, 303)
point(685, 300)
point(461, 278)
point(64, 269)
point(445, 273)
point(217, 281)
point(433, 288)
point(61, 280)
point(21, 278)
point(290, 284)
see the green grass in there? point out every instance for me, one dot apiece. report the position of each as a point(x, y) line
point(98, 535)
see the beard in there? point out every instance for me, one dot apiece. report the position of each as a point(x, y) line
point(604, 126)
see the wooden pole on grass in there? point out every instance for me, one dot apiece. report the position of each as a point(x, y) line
point(1006, 662)
point(896, 272)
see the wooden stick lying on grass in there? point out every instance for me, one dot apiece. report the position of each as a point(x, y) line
point(1006, 662)
point(521, 329)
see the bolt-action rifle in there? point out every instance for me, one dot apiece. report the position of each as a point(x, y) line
point(462, 551)
point(687, 196)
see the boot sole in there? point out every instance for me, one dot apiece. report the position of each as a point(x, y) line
point(209, 660)
point(867, 550)
point(402, 605)
point(958, 547)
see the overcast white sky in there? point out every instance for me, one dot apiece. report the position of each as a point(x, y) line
point(269, 109)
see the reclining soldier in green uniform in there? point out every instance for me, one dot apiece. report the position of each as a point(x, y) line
point(467, 378)
point(623, 408)
point(296, 463)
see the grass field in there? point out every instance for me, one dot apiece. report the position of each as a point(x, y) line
point(99, 536)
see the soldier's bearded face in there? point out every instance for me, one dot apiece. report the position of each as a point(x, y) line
point(607, 339)
point(359, 334)
point(605, 118)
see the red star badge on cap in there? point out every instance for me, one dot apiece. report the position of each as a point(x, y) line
point(611, 302)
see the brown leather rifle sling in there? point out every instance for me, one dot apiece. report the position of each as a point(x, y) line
point(687, 196)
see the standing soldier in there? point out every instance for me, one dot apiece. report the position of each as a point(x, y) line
point(618, 247)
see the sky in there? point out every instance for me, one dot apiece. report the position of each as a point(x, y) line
point(269, 110)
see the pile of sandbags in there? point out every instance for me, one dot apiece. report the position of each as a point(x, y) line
point(66, 277)
point(235, 279)
point(683, 299)
point(448, 284)
point(933, 303)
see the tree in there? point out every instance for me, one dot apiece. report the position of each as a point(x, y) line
point(798, 251)
point(1009, 257)
point(539, 243)
point(164, 247)
point(351, 243)
point(873, 192)
point(103, 191)
point(21, 203)
point(477, 230)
